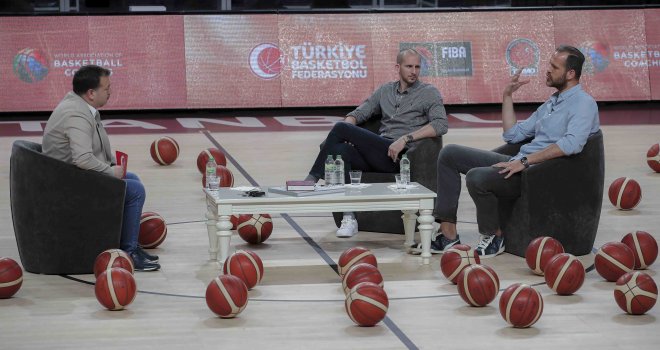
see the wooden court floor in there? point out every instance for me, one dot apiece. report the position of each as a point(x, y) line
point(300, 303)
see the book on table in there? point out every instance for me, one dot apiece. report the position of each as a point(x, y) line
point(318, 190)
point(300, 185)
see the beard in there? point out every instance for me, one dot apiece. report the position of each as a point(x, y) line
point(559, 83)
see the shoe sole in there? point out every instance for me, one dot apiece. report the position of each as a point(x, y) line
point(492, 255)
point(417, 250)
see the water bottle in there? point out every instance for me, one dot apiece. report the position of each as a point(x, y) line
point(330, 171)
point(339, 171)
point(404, 165)
point(211, 167)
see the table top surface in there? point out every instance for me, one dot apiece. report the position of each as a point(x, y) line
point(375, 191)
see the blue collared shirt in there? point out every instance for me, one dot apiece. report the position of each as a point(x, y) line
point(566, 119)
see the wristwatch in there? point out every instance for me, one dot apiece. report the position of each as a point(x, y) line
point(524, 162)
point(409, 138)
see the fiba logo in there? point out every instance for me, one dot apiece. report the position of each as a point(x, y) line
point(30, 65)
point(266, 61)
point(597, 56)
point(523, 54)
point(428, 62)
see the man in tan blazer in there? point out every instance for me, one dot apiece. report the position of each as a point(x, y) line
point(74, 134)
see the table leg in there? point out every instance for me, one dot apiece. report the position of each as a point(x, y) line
point(224, 235)
point(425, 231)
point(409, 218)
point(211, 228)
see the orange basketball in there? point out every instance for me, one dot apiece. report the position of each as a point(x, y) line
point(115, 288)
point(234, 221)
point(455, 259)
point(478, 285)
point(635, 292)
point(112, 258)
point(153, 230)
point(353, 256)
point(254, 228)
point(613, 260)
point(204, 155)
point(564, 274)
point(226, 177)
point(11, 277)
point(540, 251)
point(367, 304)
point(653, 158)
point(246, 265)
point(521, 305)
point(164, 150)
point(643, 246)
point(359, 273)
point(226, 296)
point(625, 193)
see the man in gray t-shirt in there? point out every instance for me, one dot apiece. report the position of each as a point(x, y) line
point(411, 111)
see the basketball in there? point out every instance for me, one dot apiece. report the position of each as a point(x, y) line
point(564, 274)
point(653, 158)
point(613, 260)
point(112, 258)
point(226, 176)
point(643, 246)
point(455, 259)
point(478, 285)
point(367, 304)
point(153, 230)
point(540, 251)
point(226, 296)
point(625, 193)
point(359, 273)
point(246, 265)
point(204, 155)
point(234, 221)
point(115, 288)
point(353, 256)
point(11, 277)
point(521, 305)
point(635, 292)
point(164, 150)
point(254, 228)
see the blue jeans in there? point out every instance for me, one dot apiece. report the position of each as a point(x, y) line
point(360, 149)
point(133, 203)
point(484, 183)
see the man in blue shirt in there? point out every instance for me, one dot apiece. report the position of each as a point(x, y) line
point(559, 127)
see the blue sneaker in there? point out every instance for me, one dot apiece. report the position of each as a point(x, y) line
point(490, 246)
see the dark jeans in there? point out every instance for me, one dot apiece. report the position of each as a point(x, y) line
point(360, 149)
point(133, 203)
point(484, 184)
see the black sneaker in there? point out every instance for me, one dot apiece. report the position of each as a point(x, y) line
point(147, 256)
point(490, 246)
point(438, 245)
point(140, 263)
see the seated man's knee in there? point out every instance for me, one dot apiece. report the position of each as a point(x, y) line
point(341, 127)
point(476, 178)
point(447, 153)
point(134, 190)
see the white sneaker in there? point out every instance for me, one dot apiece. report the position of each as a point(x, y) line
point(349, 227)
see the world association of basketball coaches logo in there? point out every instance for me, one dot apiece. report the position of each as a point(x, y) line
point(523, 54)
point(30, 65)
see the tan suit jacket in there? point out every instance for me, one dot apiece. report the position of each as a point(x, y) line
point(75, 136)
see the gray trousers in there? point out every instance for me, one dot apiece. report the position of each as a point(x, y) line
point(484, 184)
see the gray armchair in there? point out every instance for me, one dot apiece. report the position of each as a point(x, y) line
point(561, 198)
point(63, 216)
point(422, 170)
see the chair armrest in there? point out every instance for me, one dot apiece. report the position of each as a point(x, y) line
point(423, 159)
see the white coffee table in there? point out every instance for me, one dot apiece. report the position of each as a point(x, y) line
point(376, 197)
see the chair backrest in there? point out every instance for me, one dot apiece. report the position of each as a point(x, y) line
point(63, 216)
